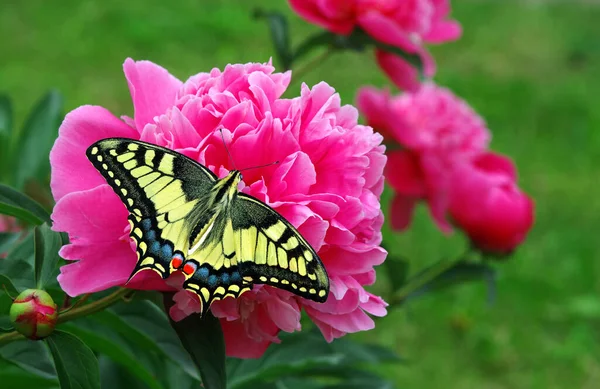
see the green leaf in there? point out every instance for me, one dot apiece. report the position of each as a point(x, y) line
point(147, 325)
point(203, 339)
point(46, 246)
point(18, 264)
point(114, 346)
point(459, 273)
point(114, 375)
point(302, 355)
point(7, 239)
point(6, 285)
point(6, 124)
point(320, 39)
point(38, 256)
point(17, 204)
point(280, 35)
point(6, 115)
point(30, 356)
point(13, 377)
point(36, 139)
point(396, 269)
point(76, 365)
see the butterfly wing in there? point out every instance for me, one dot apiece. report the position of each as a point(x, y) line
point(160, 188)
point(215, 272)
point(271, 251)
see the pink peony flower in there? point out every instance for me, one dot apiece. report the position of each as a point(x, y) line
point(406, 24)
point(487, 205)
point(437, 131)
point(327, 184)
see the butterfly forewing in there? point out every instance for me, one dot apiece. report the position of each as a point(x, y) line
point(160, 188)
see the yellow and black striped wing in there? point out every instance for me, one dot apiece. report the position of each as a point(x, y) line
point(271, 251)
point(216, 271)
point(160, 188)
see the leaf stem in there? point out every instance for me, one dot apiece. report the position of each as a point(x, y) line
point(308, 66)
point(77, 312)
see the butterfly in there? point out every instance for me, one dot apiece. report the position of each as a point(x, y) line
point(184, 218)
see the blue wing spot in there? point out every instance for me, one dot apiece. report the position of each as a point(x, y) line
point(147, 224)
point(151, 235)
point(202, 273)
point(235, 277)
point(225, 278)
point(212, 281)
point(167, 251)
point(155, 247)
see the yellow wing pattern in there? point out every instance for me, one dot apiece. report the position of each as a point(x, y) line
point(160, 188)
point(183, 218)
point(272, 251)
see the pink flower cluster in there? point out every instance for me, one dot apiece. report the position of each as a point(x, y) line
point(405, 24)
point(444, 160)
point(327, 184)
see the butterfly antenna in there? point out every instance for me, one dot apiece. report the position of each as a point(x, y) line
point(260, 166)
point(226, 149)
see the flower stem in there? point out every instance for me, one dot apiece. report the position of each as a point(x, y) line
point(9, 337)
point(95, 306)
point(76, 312)
point(313, 63)
point(422, 279)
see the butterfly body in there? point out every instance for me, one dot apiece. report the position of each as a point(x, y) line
point(183, 218)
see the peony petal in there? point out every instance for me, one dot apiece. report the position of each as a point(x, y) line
point(405, 175)
point(71, 170)
point(153, 90)
point(401, 211)
point(104, 259)
point(340, 22)
point(186, 303)
point(386, 30)
point(403, 74)
point(373, 104)
point(443, 32)
point(238, 344)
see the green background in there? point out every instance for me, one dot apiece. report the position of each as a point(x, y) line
point(531, 69)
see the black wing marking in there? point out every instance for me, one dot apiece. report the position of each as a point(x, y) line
point(271, 251)
point(159, 187)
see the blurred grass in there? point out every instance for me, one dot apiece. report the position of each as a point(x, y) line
point(531, 69)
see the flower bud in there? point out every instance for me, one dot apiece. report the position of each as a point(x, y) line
point(34, 314)
point(488, 206)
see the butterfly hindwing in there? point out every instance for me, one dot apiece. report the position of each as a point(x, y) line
point(216, 274)
point(272, 251)
point(160, 188)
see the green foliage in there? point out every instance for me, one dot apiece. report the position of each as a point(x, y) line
point(203, 338)
point(305, 359)
point(76, 365)
point(32, 147)
point(280, 35)
point(357, 40)
point(17, 204)
point(46, 258)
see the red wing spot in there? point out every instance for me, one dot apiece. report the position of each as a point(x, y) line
point(189, 268)
point(176, 262)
